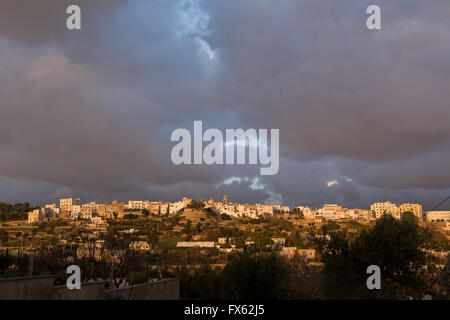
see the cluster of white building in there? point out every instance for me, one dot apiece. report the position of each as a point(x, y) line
point(335, 211)
point(438, 216)
point(376, 211)
point(72, 208)
point(158, 207)
point(237, 210)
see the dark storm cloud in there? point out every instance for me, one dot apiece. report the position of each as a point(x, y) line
point(37, 22)
point(337, 88)
point(79, 127)
point(90, 112)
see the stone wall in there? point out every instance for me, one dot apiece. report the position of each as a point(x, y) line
point(89, 291)
point(165, 289)
point(41, 288)
point(27, 288)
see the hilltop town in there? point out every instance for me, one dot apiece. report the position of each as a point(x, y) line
point(74, 209)
point(224, 225)
point(125, 243)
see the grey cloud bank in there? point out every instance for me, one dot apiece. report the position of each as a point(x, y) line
point(91, 113)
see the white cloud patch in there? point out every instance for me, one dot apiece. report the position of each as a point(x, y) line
point(254, 184)
point(332, 183)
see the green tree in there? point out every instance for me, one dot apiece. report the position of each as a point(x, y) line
point(396, 246)
point(256, 277)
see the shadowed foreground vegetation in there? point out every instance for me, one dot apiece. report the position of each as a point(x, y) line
point(396, 246)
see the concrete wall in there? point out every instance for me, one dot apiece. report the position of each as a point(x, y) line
point(26, 288)
point(41, 288)
point(89, 291)
point(166, 289)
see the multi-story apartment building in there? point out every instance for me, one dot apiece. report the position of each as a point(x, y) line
point(278, 209)
point(76, 209)
point(155, 207)
point(66, 205)
point(380, 208)
point(88, 210)
point(51, 210)
point(361, 214)
point(331, 211)
point(100, 208)
point(264, 208)
point(438, 216)
point(69, 202)
point(307, 212)
point(164, 208)
point(138, 205)
point(75, 212)
point(414, 208)
point(139, 246)
point(115, 208)
point(35, 216)
point(174, 207)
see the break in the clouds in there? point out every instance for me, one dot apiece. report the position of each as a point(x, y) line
point(363, 115)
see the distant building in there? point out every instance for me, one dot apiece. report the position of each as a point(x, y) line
point(361, 214)
point(174, 207)
point(155, 207)
point(97, 223)
point(100, 208)
point(414, 208)
point(164, 208)
point(438, 216)
point(307, 254)
point(186, 201)
point(278, 242)
point(224, 240)
point(266, 208)
point(198, 244)
point(51, 211)
point(88, 210)
point(139, 246)
point(307, 212)
point(96, 249)
point(113, 209)
point(380, 208)
point(127, 231)
point(138, 205)
point(69, 202)
point(35, 216)
point(278, 209)
point(331, 211)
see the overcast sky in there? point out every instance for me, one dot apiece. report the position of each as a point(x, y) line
point(364, 116)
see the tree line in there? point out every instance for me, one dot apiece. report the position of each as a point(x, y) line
point(17, 211)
